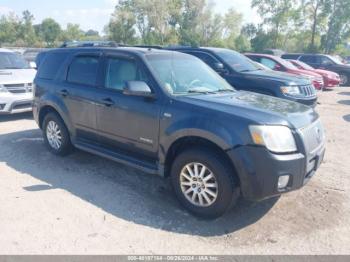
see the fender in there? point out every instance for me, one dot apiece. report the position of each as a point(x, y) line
point(199, 127)
point(50, 99)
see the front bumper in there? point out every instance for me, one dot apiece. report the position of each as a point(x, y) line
point(259, 170)
point(15, 103)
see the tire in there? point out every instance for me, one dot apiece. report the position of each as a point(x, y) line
point(344, 79)
point(223, 179)
point(53, 128)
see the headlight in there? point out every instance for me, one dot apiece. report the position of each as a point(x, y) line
point(290, 90)
point(2, 89)
point(278, 139)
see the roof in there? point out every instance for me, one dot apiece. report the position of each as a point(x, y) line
point(3, 50)
point(130, 50)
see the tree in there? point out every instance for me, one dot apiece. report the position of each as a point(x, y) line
point(72, 32)
point(49, 30)
point(122, 23)
point(278, 16)
point(26, 31)
point(9, 28)
point(338, 24)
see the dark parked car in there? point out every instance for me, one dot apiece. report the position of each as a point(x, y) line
point(243, 74)
point(168, 113)
point(326, 62)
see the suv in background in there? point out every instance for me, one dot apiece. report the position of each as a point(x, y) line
point(278, 64)
point(326, 62)
point(170, 114)
point(244, 74)
point(16, 83)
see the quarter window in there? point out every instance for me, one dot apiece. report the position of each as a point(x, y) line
point(83, 70)
point(120, 71)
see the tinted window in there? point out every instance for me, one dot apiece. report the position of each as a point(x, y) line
point(83, 70)
point(208, 59)
point(268, 62)
point(119, 71)
point(49, 64)
point(309, 59)
point(236, 61)
point(10, 60)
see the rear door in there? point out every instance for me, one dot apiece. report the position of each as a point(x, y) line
point(79, 93)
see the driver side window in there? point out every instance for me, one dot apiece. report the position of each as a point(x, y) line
point(119, 71)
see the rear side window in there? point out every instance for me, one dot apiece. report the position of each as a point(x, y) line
point(83, 70)
point(49, 64)
point(208, 59)
point(308, 59)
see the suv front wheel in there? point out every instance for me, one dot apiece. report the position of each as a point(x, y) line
point(56, 135)
point(203, 182)
point(344, 79)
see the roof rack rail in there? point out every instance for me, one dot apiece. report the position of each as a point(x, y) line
point(149, 46)
point(69, 44)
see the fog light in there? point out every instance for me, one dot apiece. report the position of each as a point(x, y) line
point(283, 181)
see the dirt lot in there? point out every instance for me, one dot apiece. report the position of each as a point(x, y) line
point(84, 204)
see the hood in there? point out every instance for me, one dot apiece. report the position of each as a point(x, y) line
point(261, 109)
point(17, 76)
point(278, 76)
point(304, 72)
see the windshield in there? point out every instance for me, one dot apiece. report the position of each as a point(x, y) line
point(12, 61)
point(304, 65)
point(336, 60)
point(183, 74)
point(237, 61)
point(285, 63)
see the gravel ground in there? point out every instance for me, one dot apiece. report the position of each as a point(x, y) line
point(84, 204)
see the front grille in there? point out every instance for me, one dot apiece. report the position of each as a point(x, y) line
point(313, 136)
point(308, 90)
point(19, 88)
point(22, 106)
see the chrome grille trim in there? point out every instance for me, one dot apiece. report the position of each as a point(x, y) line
point(19, 88)
point(308, 90)
point(313, 136)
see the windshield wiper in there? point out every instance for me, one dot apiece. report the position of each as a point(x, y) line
point(193, 91)
point(225, 90)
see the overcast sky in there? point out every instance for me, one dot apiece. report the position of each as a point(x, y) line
point(94, 14)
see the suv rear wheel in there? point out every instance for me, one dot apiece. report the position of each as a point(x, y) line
point(56, 135)
point(203, 182)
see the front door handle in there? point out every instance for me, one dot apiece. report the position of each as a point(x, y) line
point(108, 102)
point(64, 93)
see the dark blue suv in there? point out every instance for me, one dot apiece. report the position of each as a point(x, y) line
point(244, 74)
point(170, 114)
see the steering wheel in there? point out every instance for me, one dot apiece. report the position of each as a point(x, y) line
point(193, 83)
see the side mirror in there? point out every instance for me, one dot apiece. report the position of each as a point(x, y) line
point(277, 67)
point(138, 88)
point(219, 66)
point(32, 65)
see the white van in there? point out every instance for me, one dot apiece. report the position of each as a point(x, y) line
point(16, 83)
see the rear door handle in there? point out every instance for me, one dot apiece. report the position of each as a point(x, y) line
point(108, 102)
point(64, 93)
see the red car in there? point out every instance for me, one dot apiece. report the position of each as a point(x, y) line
point(330, 79)
point(278, 64)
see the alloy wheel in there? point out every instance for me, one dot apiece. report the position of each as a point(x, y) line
point(199, 185)
point(54, 135)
